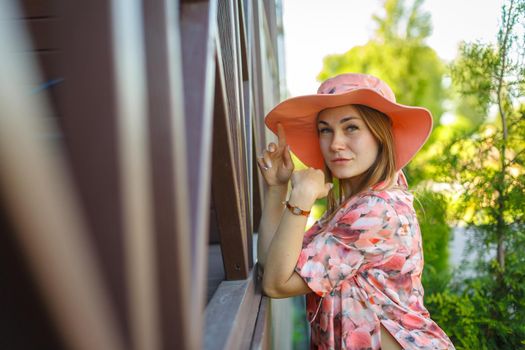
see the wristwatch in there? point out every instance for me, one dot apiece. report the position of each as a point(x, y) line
point(296, 210)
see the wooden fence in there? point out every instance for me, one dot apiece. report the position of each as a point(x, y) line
point(129, 194)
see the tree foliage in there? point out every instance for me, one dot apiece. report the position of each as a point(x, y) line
point(485, 166)
point(399, 55)
point(480, 158)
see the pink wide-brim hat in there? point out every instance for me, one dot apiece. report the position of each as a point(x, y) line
point(411, 126)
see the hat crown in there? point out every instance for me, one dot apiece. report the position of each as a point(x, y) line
point(343, 83)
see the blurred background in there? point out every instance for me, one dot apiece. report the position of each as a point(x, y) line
point(130, 198)
point(464, 61)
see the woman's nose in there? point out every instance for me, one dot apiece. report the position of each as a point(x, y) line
point(337, 142)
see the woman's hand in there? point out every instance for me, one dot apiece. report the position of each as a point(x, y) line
point(309, 185)
point(276, 162)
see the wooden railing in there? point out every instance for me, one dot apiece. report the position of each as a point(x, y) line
point(156, 111)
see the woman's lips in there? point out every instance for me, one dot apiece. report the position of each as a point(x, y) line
point(340, 160)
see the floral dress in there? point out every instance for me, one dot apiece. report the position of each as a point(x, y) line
point(364, 268)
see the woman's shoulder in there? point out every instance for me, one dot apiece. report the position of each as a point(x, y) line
point(381, 196)
point(394, 200)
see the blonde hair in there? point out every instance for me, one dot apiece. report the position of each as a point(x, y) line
point(383, 169)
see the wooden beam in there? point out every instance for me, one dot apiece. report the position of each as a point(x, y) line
point(128, 62)
point(39, 196)
point(231, 315)
point(198, 25)
point(167, 134)
point(38, 8)
point(87, 108)
point(225, 190)
point(258, 108)
point(42, 33)
point(228, 49)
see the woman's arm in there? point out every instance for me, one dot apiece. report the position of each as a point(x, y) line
point(280, 279)
point(271, 215)
point(276, 168)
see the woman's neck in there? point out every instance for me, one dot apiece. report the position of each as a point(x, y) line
point(352, 185)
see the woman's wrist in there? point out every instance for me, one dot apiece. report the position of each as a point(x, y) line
point(277, 192)
point(302, 200)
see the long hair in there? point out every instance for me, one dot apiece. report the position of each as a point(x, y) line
point(382, 170)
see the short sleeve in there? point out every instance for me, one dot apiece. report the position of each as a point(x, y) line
point(362, 237)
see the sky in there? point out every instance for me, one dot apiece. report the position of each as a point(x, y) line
point(316, 28)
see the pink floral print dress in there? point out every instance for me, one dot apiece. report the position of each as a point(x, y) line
point(364, 268)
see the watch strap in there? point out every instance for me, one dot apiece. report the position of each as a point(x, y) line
point(296, 210)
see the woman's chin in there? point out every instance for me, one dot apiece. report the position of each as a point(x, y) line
point(345, 173)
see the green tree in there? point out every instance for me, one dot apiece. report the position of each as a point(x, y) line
point(399, 55)
point(486, 167)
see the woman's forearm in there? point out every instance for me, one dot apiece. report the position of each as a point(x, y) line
point(270, 218)
point(284, 250)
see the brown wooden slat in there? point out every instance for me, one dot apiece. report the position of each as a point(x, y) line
point(249, 169)
point(50, 74)
point(37, 193)
point(271, 22)
point(261, 338)
point(167, 139)
point(48, 65)
point(25, 322)
point(133, 159)
point(244, 129)
point(42, 33)
point(226, 194)
point(259, 139)
point(244, 51)
point(87, 111)
point(198, 23)
point(256, 187)
point(229, 59)
point(213, 237)
point(38, 8)
point(231, 315)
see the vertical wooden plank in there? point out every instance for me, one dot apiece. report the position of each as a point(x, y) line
point(167, 134)
point(244, 130)
point(25, 322)
point(246, 93)
point(229, 61)
point(198, 26)
point(38, 195)
point(88, 113)
point(254, 43)
point(37, 8)
point(133, 155)
point(225, 189)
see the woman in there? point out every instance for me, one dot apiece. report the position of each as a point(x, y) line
point(360, 265)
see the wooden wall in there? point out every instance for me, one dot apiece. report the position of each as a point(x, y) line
point(128, 186)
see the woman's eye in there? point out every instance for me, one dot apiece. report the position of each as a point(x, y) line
point(324, 130)
point(351, 127)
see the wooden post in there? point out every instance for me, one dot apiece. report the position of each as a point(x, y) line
point(198, 25)
point(167, 135)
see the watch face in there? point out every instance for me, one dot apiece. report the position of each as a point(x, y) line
point(297, 211)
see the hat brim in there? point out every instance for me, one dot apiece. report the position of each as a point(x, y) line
point(411, 126)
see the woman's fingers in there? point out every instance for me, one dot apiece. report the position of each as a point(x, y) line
point(287, 158)
point(267, 159)
point(281, 135)
point(262, 163)
point(272, 147)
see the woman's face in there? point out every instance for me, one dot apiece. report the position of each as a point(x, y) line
point(347, 145)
